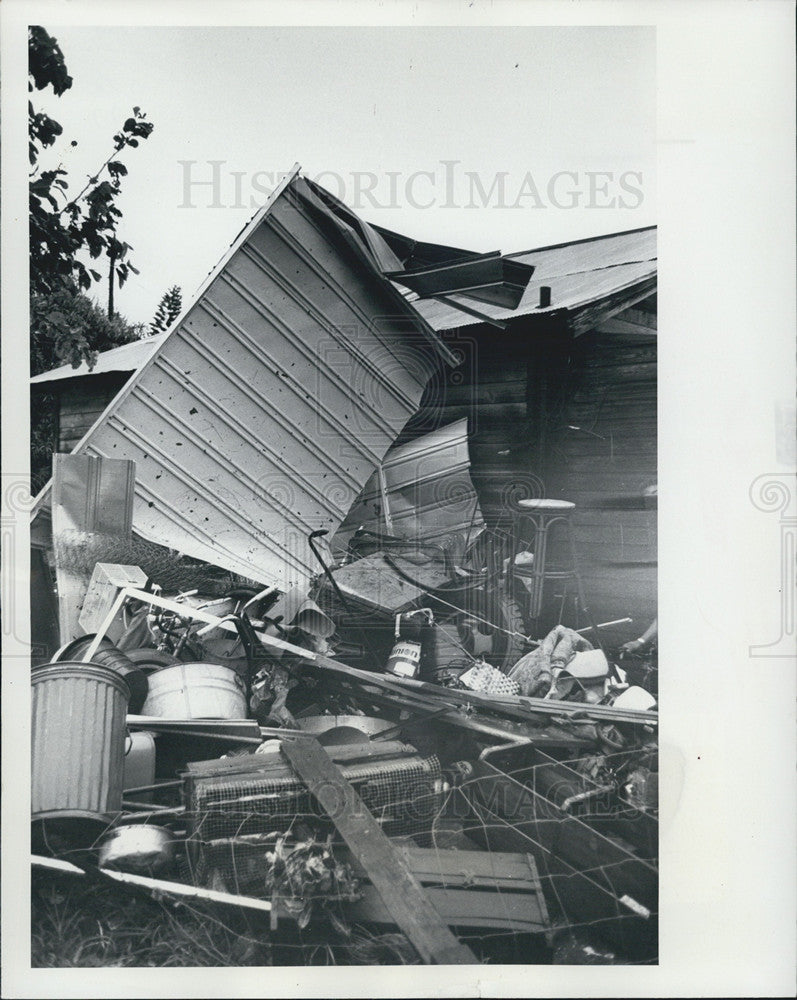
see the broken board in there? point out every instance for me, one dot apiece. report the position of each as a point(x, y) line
point(399, 890)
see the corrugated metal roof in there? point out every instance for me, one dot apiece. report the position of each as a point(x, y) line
point(127, 358)
point(577, 274)
point(270, 402)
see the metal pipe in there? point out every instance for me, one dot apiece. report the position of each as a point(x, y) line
point(521, 741)
point(572, 800)
point(153, 788)
point(152, 808)
point(617, 621)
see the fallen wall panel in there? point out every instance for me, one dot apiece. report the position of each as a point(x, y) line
point(272, 399)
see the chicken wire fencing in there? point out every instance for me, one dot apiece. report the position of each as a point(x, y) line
point(593, 872)
point(78, 552)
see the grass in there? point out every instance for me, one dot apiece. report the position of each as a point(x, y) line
point(77, 924)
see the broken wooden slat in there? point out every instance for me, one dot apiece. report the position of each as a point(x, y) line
point(154, 884)
point(407, 903)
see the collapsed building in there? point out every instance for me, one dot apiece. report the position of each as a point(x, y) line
point(378, 516)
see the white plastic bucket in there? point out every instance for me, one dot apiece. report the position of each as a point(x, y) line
point(196, 691)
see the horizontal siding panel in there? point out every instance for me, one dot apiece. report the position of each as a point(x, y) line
point(83, 418)
point(485, 414)
point(628, 446)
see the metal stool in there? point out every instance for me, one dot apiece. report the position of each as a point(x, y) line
point(543, 515)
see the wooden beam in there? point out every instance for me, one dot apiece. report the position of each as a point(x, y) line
point(388, 870)
point(622, 324)
point(641, 317)
point(588, 316)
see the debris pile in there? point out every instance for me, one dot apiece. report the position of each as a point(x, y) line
point(470, 767)
point(362, 725)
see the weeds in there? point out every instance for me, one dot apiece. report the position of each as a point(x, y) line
point(76, 924)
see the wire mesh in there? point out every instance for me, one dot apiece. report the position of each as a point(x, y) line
point(79, 552)
point(231, 815)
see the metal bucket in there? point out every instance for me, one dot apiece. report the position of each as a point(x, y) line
point(139, 770)
point(141, 848)
point(124, 666)
point(196, 691)
point(78, 744)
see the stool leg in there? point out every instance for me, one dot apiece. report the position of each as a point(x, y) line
point(580, 588)
point(538, 577)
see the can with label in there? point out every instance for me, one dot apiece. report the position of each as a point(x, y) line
point(405, 659)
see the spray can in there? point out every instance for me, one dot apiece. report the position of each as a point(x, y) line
point(405, 657)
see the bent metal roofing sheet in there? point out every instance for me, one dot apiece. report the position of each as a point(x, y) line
point(274, 396)
point(577, 274)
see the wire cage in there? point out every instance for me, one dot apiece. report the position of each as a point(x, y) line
point(237, 806)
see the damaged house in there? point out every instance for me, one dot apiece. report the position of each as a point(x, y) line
point(301, 541)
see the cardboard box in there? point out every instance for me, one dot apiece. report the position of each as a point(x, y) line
point(106, 582)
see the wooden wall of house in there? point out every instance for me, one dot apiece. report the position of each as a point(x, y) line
point(603, 458)
point(490, 388)
point(82, 400)
point(523, 390)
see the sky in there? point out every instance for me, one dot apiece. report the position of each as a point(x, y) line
point(483, 138)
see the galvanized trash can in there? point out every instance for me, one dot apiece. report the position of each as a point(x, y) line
point(77, 745)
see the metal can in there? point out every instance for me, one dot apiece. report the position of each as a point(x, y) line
point(405, 659)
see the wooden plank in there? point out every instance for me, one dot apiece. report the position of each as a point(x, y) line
point(160, 886)
point(79, 418)
point(516, 912)
point(590, 316)
point(623, 326)
point(408, 904)
point(610, 358)
point(636, 401)
point(432, 695)
point(485, 411)
point(482, 869)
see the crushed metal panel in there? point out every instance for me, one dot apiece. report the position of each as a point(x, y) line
point(416, 253)
point(272, 399)
point(577, 273)
point(486, 278)
point(424, 492)
point(569, 291)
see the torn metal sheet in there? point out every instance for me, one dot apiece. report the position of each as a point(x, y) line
point(422, 490)
point(273, 397)
point(577, 275)
point(486, 278)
